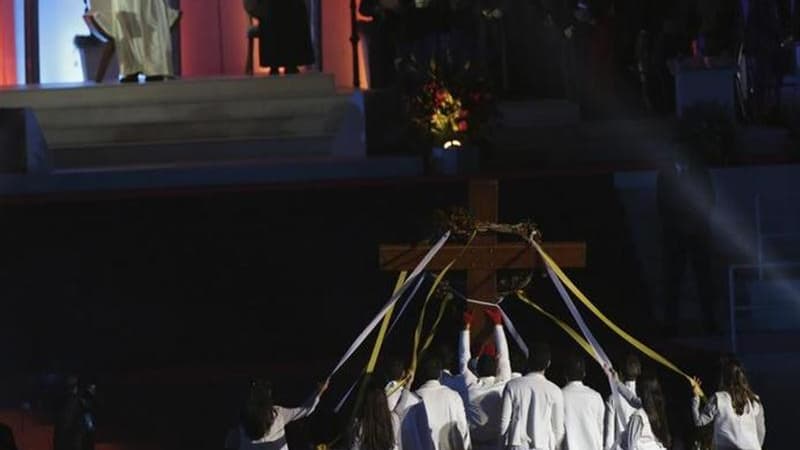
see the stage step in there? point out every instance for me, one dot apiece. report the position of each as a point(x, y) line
point(292, 116)
point(178, 91)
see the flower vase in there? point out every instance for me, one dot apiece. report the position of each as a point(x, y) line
point(455, 160)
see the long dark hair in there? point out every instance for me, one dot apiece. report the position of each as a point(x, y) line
point(733, 380)
point(258, 412)
point(648, 389)
point(373, 427)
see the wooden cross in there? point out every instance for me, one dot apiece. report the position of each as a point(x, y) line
point(485, 256)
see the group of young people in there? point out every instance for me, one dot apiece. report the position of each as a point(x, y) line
point(482, 404)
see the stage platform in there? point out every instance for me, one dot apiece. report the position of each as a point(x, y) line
point(186, 133)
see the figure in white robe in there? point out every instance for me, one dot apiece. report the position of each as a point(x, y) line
point(638, 434)
point(485, 392)
point(647, 428)
point(620, 407)
point(141, 33)
point(401, 401)
point(584, 409)
point(532, 416)
point(274, 437)
point(744, 431)
point(446, 427)
point(735, 410)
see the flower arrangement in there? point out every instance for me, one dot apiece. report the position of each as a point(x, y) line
point(450, 107)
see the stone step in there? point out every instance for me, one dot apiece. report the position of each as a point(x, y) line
point(168, 112)
point(145, 134)
point(186, 153)
point(182, 91)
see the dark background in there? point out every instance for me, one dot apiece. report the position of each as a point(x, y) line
point(171, 301)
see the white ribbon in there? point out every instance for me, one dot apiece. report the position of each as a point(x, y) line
point(600, 355)
point(405, 305)
point(514, 333)
point(396, 296)
point(388, 332)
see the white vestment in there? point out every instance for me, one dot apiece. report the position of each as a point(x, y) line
point(401, 401)
point(447, 427)
point(638, 434)
point(275, 438)
point(141, 33)
point(485, 394)
point(731, 431)
point(583, 417)
point(618, 412)
point(533, 413)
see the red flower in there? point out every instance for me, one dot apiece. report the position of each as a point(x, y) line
point(463, 114)
point(441, 94)
point(463, 126)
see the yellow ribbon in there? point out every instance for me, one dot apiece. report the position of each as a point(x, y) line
point(568, 329)
point(416, 353)
point(376, 349)
point(649, 352)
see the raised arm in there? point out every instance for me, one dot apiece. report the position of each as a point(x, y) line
point(292, 414)
point(711, 409)
point(464, 352)
point(501, 345)
point(708, 413)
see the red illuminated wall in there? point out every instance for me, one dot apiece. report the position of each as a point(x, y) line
point(337, 55)
point(214, 44)
point(8, 63)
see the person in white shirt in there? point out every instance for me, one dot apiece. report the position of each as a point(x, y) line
point(452, 376)
point(263, 423)
point(532, 415)
point(398, 395)
point(584, 409)
point(735, 410)
point(647, 428)
point(618, 409)
point(444, 411)
point(485, 391)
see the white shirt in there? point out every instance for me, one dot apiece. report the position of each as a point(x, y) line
point(584, 411)
point(638, 434)
point(533, 413)
point(457, 382)
point(401, 400)
point(485, 394)
point(275, 439)
point(618, 412)
point(732, 431)
point(446, 420)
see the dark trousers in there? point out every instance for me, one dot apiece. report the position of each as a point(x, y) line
point(679, 249)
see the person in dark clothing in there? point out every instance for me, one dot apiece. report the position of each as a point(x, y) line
point(424, 36)
point(284, 33)
point(381, 35)
point(685, 195)
point(75, 422)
